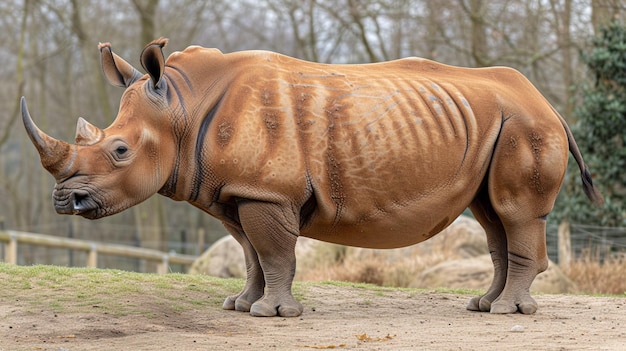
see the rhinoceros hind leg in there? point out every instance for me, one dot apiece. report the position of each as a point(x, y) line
point(527, 258)
point(526, 172)
point(497, 244)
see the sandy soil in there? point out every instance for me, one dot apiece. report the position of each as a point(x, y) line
point(347, 318)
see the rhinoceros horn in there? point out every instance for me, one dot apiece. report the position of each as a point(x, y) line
point(87, 134)
point(54, 153)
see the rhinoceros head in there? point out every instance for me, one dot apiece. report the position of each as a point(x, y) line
point(109, 170)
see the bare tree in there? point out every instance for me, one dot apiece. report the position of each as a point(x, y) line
point(603, 11)
point(562, 11)
point(91, 61)
point(475, 11)
point(19, 73)
point(146, 10)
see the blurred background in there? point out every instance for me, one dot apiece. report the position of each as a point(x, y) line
point(574, 51)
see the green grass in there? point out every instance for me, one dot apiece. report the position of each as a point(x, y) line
point(62, 289)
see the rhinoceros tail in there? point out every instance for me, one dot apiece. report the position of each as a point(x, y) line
point(585, 175)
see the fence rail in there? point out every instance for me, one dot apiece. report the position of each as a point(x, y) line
point(12, 238)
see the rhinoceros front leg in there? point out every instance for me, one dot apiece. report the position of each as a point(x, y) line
point(255, 282)
point(273, 231)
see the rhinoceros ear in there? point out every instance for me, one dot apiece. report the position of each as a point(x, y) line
point(117, 71)
point(153, 61)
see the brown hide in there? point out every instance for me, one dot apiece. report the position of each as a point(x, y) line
point(387, 154)
point(378, 155)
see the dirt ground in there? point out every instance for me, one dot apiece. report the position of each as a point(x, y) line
point(335, 317)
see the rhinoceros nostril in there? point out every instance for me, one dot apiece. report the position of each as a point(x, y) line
point(80, 202)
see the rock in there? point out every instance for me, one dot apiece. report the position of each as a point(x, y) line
point(462, 239)
point(225, 257)
point(467, 273)
point(517, 329)
point(314, 255)
point(477, 273)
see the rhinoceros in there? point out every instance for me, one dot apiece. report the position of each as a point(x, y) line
point(380, 155)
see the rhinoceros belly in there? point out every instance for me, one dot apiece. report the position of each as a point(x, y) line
point(391, 222)
point(393, 163)
point(390, 195)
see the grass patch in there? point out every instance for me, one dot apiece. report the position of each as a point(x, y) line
point(120, 293)
point(73, 290)
point(39, 288)
point(460, 291)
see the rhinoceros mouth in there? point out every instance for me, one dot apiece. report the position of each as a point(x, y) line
point(76, 202)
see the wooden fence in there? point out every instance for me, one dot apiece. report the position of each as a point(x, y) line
point(12, 238)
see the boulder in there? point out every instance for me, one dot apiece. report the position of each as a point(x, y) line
point(477, 273)
point(225, 257)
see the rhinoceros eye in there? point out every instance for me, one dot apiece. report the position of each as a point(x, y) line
point(121, 150)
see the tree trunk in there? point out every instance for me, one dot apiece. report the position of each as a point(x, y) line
point(603, 11)
point(90, 59)
point(19, 74)
point(562, 20)
point(146, 10)
point(357, 19)
point(480, 49)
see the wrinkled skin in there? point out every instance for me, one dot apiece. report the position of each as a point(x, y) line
point(382, 156)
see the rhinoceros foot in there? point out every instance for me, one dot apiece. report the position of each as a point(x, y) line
point(229, 303)
point(237, 304)
point(480, 304)
point(240, 302)
point(526, 305)
point(483, 303)
point(285, 306)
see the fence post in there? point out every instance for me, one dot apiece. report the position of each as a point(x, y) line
point(163, 265)
point(70, 234)
point(2, 247)
point(200, 248)
point(92, 256)
point(565, 245)
point(12, 249)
